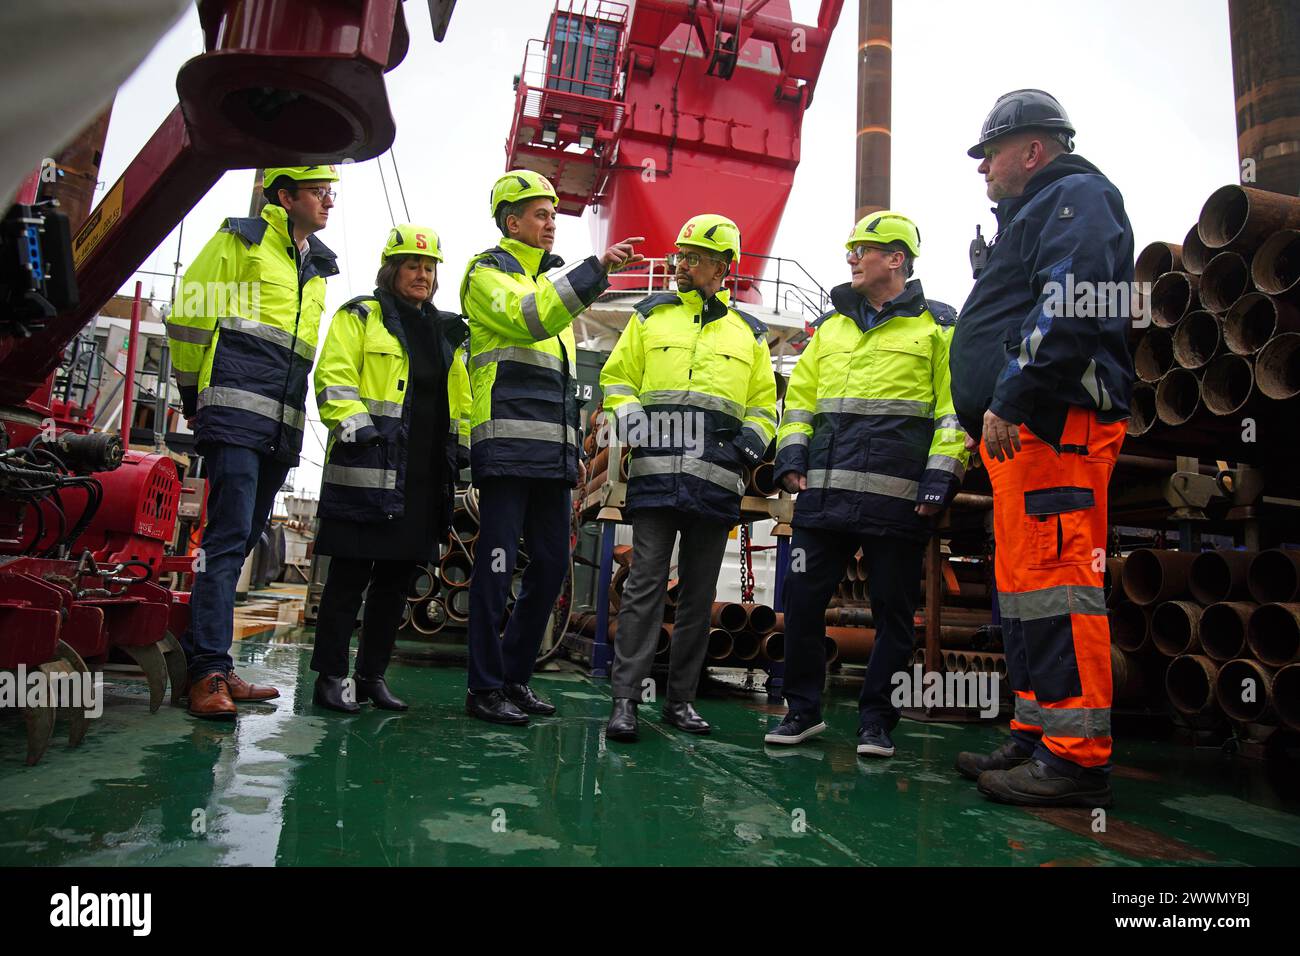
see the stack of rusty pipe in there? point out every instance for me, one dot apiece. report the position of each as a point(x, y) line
point(439, 594)
point(1224, 626)
point(1223, 339)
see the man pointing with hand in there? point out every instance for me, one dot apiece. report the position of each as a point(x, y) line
point(524, 448)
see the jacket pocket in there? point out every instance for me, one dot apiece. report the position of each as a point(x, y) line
point(1058, 525)
point(902, 360)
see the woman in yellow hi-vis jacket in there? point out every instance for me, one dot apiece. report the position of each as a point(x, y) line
point(394, 391)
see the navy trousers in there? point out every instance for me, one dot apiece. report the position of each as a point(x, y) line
point(817, 562)
point(242, 485)
point(538, 509)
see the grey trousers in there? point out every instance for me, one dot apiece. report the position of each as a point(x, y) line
point(642, 610)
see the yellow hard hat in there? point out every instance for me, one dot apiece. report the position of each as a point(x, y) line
point(713, 232)
point(518, 185)
point(300, 174)
point(408, 239)
point(885, 227)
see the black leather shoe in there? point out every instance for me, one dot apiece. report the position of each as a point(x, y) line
point(329, 694)
point(622, 720)
point(1035, 784)
point(522, 696)
point(683, 716)
point(493, 707)
point(376, 689)
point(1009, 755)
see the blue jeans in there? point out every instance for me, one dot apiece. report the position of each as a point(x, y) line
point(242, 485)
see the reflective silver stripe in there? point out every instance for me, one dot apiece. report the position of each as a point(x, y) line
point(619, 390)
point(189, 334)
point(533, 431)
point(186, 378)
point(354, 423)
point(944, 463)
point(1086, 722)
point(863, 482)
point(226, 397)
point(455, 427)
point(714, 403)
point(338, 393)
point(528, 306)
point(696, 467)
point(793, 438)
point(758, 411)
point(758, 432)
point(386, 409)
point(798, 416)
point(876, 406)
point(1056, 601)
point(522, 355)
point(268, 333)
point(572, 302)
point(1095, 387)
point(1028, 711)
point(948, 421)
point(360, 477)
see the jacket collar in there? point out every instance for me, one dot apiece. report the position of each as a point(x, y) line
point(451, 325)
point(534, 260)
point(1067, 164)
point(911, 301)
point(319, 258)
point(715, 308)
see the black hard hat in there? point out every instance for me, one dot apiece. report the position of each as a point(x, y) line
point(1024, 109)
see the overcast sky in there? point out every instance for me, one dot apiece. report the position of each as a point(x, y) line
point(1148, 86)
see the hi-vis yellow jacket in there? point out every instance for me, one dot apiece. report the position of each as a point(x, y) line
point(242, 334)
point(869, 419)
point(523, 360)
point(695, 380)
point(362, 393)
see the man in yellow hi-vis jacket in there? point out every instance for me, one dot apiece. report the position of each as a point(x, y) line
point(691, 387)
point(242, 334)
point(523, 433)
point(871, 444)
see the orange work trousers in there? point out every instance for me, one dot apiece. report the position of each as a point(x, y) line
point(1049, 528)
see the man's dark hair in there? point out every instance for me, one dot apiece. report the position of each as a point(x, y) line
point(272, 192)
point(508, 209)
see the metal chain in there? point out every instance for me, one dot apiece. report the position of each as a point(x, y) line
point(746, 566)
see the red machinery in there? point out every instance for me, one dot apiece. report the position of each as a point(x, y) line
point(84, 524)
point(685, 106)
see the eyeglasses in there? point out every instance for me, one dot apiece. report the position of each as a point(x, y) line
point(321, 192)
point(860, 251)
point(692, 259)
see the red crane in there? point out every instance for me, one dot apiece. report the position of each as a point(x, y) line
point(657, 111)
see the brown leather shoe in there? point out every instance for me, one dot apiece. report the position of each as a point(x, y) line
point(210, 697)
point(242, 692)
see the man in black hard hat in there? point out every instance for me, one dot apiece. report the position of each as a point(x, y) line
point(1042, 374)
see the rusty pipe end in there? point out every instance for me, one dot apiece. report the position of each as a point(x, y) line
point(1197, 339)
point(1173, 295)
point(1189, 682)
point(1244, 689)
point(1195, 254)
point(1273, 634)
point(1275, 268)
point(1178, 396)
point(1225, 280)
point(1228, 383)
point(1277, 367)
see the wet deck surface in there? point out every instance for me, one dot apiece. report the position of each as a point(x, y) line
point(288, 784)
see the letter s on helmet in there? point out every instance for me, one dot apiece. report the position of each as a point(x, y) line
point(520, 184)
point(408, 239)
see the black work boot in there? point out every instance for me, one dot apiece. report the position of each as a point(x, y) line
point(1035, 784)
point(680, 714)
point(329, 694)
point(1011, 754)
point(622, 720)
point(376, 689)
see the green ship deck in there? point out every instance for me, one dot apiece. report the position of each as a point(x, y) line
point(290, 785)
